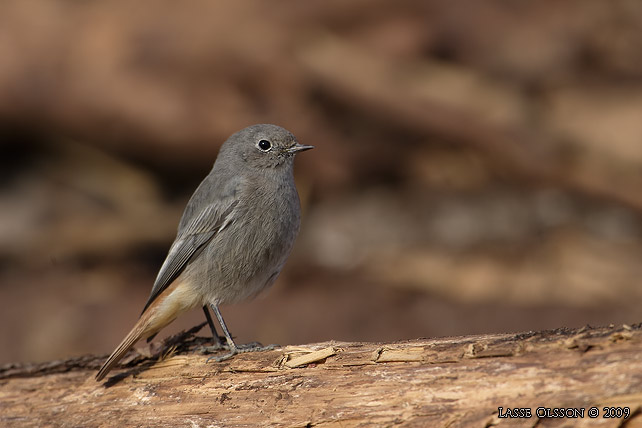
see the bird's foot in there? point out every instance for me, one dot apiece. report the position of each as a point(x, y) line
point(213, 348)
point(240, 349)
point(218, 345)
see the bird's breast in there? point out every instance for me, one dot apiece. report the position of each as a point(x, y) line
point(249, 253)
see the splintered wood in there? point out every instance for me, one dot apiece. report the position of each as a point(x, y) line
point(585, 377)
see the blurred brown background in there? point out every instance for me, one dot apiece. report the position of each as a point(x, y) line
point(478, 165)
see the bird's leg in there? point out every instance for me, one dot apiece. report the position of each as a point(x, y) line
point(217, 343)
point(234, 349)
point(230, 342)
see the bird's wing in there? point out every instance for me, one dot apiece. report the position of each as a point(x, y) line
point(191, 237)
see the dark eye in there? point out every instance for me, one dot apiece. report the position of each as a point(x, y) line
point(264, 145)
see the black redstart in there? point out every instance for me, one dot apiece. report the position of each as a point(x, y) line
point(236, 232)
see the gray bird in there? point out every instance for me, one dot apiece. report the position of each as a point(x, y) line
point(234, 237)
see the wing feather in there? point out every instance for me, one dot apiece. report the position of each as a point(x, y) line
point(196, 233)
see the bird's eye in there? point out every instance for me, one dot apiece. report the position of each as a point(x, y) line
point(264, 145)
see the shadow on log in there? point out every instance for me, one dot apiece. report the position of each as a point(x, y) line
point(454, 382)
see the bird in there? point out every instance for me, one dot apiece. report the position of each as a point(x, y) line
point(233, 239)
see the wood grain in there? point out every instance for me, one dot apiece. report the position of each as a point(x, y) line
point(453, 382)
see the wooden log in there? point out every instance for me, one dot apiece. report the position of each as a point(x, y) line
point(455, 382)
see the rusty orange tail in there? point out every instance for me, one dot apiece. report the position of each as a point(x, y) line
point(176, 299)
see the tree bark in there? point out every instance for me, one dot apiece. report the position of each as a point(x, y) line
point(452, 382)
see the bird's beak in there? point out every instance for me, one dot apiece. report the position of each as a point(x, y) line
point(299, 148)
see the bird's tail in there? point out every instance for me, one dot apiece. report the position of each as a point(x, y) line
point(175, 300)
point(134, 335)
